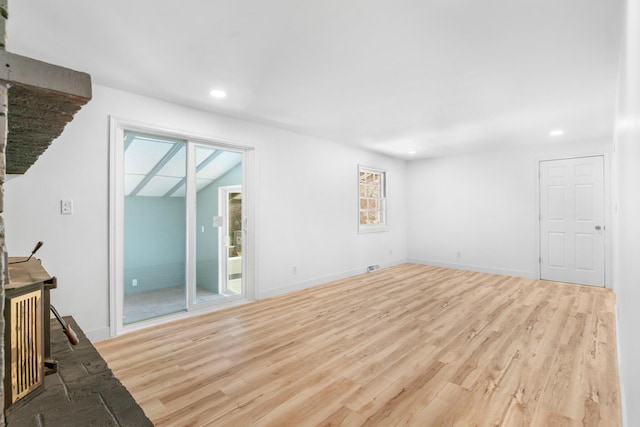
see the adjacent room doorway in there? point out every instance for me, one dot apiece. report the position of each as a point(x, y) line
point(230, 214)
point(572, 220)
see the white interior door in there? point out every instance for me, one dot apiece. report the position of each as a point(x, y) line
point(572, 220)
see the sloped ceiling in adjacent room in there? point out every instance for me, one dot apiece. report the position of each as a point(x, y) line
point(436, 77)
point(155, 166)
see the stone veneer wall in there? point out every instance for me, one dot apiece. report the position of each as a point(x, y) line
point(3, 144)
point(3, 266)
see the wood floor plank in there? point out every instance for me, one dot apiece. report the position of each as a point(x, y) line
point(407, 345)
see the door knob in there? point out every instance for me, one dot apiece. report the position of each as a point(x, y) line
point(598, 227)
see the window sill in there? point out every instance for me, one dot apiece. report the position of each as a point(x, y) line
point(364, 229)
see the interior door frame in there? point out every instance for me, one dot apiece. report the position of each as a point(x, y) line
point(117, 126)
point(223, 211)
point(607, 210)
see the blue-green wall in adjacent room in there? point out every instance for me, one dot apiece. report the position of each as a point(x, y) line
point(154, 243)
point(207, 240)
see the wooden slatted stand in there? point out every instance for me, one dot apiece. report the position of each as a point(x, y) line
point(27, 328)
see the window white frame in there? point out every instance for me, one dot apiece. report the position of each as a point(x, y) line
point(372, 200)
point(116, 223)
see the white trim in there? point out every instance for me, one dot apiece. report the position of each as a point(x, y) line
point(476, 268)
point(99, 334)
point(116, 213)
point(608, 259)
point(158, 129)
point(250, 193)
point(199, 311)
point(223, 237)
point(190, 220)
point(623, 397)
point(116, 224)
point(323, 280)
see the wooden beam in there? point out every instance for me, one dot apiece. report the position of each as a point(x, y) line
point(43, 98)
point(28, 72)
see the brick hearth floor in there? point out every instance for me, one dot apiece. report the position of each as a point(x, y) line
point(84, 391)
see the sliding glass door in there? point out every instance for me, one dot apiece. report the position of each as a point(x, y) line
point(216, 169)
point(180, 242)
point(154, 226)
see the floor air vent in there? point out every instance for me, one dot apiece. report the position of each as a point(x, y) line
point(373, 268)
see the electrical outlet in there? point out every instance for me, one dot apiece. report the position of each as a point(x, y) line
point(458, 255)
point(66, 207)
point(294, 270)
point(134, 282)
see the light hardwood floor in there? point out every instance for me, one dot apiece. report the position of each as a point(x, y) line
point(408, 345)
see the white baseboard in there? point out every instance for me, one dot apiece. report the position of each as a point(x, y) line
point(100, 334)
point(104, 333)
point(623, 399)
point(322, 280)
point(476, 268)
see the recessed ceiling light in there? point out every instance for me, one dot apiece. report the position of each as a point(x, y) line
point(412, 152)
point(557, 132)
point(218, 93)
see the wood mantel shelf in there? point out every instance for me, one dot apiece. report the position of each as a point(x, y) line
point(25, 273)
point(43, 98)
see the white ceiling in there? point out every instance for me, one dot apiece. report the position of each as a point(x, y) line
point(435, 76)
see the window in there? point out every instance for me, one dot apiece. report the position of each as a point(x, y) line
point(372, 200)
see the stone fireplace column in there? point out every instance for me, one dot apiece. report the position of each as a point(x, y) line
point(3, 257)
point(60, 92)
point(3, 144)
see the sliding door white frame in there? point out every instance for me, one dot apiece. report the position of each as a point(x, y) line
point(116, 223)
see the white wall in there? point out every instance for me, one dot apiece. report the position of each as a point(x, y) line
point(626, 280)
point(482, 205)
point(306, 204)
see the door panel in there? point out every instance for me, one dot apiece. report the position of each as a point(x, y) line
point(557, 203)
point(206, 233)
point(584, 252)
point(585, 194)
point(154, 227)
point(216, 169)
point(572, 220)
point(557, 250)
